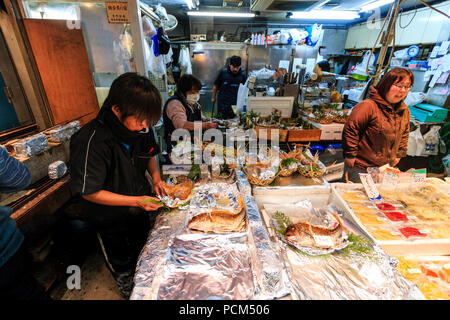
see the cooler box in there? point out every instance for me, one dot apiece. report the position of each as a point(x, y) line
point(265, 105)
point(428, 113)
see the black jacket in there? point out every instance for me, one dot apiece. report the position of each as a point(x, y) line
point(100, 161)
point(228, 86)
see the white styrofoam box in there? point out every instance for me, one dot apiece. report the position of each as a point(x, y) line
point(332, 131)
point(265, 105)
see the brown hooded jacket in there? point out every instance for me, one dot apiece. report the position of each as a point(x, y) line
point(376, 133)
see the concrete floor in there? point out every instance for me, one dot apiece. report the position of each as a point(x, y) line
point(97, 283)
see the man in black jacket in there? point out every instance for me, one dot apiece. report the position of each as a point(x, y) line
point(227, 84)
point(108, 160)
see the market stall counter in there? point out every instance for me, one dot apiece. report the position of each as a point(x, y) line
point(225, 245)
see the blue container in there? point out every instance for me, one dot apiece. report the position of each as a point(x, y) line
point(425, 112)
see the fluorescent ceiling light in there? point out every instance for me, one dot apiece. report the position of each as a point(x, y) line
point(190, 4)
point(220, 14)
point(326, 15)
point(375, 4)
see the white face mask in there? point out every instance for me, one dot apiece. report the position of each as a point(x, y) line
point(192, 98)
point(145, 130)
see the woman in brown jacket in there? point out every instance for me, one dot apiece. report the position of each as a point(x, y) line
point(377, 130)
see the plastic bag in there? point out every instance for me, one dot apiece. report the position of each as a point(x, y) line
point(157, 66)
point(168, 57)
point(263, 73)
point(241, 97)
point(414, 98)
point(314, 32)
point(446, 163)
point(298, 36)
point(416, 143)
point(161, 12)
point(148, 28)
point(185, 61)
point(360, 68)
point(431, 139)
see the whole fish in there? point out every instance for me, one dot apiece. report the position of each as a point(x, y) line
point(219, 221)
point(307, 235)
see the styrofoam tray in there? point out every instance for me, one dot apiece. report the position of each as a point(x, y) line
point(393, 247)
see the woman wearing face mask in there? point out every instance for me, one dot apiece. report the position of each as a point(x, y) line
point(182, 109)
point(377, 130)
point(109, 157)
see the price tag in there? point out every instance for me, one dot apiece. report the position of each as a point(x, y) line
point(323, 241)
point(419, 175)
point(369, 186)
point(391, 177)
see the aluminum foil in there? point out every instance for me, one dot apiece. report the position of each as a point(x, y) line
point(303, 211)
point(64, 132)
point(245, 187)
point(152, 259)
point(30, 146)
point(215, 195)
point(57, 169)
point(271, 278)
point(346, 277)
point(207, 267)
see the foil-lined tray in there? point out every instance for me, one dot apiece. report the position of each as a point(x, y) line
point(345, 276)
point(271, 278)
point(207, 267)
point(170, 267)
point(30, 146)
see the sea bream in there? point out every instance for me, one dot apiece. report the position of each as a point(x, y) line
point(305, 234)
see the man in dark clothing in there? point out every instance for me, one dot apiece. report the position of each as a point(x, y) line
point(108, 160)
point(16, 279)
point(227, 83)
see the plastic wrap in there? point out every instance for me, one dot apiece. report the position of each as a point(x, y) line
point(30, 146)
point(352, 277)
point(63, 133)
point(57, 169)
point(346, 276)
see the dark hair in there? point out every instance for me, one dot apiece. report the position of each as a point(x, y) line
point(235, 61)
point(134, 95)
point(188, 82)
point(393, 76)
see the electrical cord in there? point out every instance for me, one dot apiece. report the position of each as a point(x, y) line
point(433, 8)
point(400, 17)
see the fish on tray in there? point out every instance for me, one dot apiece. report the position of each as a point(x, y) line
point(305, 234)
point(181, 191)
point(219, 221)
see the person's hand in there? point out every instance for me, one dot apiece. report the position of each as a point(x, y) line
point(396, 161)
point(210, 125)
point(148, 203)
point(158, 188)
point(213, 100)
point(349, 162)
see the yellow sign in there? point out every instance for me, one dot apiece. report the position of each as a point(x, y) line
point(117, 12)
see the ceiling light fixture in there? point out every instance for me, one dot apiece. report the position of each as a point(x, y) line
point(375, 4)
point(326, 15)
point(220, 14)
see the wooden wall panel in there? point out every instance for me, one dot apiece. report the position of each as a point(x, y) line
point(63, 64)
